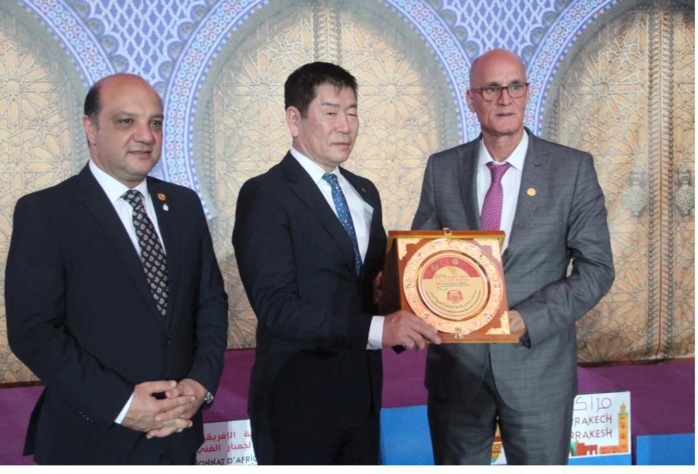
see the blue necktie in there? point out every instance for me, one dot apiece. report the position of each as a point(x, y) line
point(340, 204)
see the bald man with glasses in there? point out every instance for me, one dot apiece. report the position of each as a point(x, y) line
point(547, 199)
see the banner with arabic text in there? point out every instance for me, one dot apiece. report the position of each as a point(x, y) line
point(227, 442)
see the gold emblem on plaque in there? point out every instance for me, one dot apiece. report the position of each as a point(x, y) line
point(453, 280)
point(453, 285)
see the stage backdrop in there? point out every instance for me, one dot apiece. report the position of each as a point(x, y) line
point(614, 77)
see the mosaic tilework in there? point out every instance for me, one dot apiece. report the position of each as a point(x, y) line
point(69, 30)
point(143, 37)
point(179, 45)
point(173, 43)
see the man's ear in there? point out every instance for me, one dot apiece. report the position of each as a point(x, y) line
point(469, 99)
point(293, 119)
point(90, 130)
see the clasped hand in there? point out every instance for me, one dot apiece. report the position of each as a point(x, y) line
point(160, 417)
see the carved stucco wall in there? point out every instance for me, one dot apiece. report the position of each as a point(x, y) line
point(41, 139)
point(241, 129)
point(220, 67)
point(627, 96)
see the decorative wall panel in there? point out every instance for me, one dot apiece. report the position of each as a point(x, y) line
point(628, 99)
point(615, 77)
point(240, 124)
point(40, 142)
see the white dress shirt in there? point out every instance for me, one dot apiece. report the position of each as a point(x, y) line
point(511, 182)
point(361, 215)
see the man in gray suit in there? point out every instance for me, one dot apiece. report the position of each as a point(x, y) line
point(552, 209)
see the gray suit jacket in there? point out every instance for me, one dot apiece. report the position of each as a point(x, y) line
point(565, 221)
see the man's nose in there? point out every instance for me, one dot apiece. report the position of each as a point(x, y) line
point(504, 96)
point(342, 123)
point(145, 134)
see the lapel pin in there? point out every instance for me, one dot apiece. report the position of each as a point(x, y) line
point(531, 191)
point(162, 198)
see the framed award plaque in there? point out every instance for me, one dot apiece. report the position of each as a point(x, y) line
point(451, 279)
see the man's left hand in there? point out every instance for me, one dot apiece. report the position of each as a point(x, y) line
point(185, 387)
point(516, 323)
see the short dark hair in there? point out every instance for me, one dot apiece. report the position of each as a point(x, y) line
point(299, 89)
point(93, 105)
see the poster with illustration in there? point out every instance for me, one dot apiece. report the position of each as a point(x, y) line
point(600, 430)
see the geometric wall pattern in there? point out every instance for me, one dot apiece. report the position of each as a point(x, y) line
point(41, 138)
point(242, 122)
point(628, 97)
point(615, 77)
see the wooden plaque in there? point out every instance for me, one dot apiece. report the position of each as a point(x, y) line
point(453, 280)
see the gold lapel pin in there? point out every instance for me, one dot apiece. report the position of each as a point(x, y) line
point(162, 197)
point(531, 191)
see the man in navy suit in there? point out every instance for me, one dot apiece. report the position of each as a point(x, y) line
point(129, 349)
point(309, 242)
point(552, 210)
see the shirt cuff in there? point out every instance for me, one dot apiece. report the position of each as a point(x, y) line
point(124, 410)
point(375, 333)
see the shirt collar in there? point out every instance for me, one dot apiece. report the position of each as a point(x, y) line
point(113, 187)
point(516, 159)
point(315, 171)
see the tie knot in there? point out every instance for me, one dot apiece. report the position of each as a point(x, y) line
point(133, 197)
point(498, 171)
point(330, 178)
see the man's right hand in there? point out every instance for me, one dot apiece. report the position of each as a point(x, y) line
point(145, 407)
point(403, 328)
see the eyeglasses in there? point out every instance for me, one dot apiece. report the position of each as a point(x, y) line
point(493, 92)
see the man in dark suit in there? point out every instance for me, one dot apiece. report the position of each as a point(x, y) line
point(309, 242)
point(551, 207)
point(114, 297)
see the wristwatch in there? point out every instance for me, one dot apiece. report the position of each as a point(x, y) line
point(208, 399)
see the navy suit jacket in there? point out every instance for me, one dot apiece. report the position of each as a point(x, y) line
point(312, 369)
point(81, 316)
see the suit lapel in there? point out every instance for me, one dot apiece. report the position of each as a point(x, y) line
point(376, 230)
point(103, 212)
point(308, 192)
point(467, 180)
point(535, 177)
point(167, 214)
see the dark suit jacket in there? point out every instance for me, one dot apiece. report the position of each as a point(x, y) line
point(563, 221)
point(312, 369)
point(81, 316)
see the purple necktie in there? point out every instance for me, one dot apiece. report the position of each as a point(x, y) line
point(491, 215)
